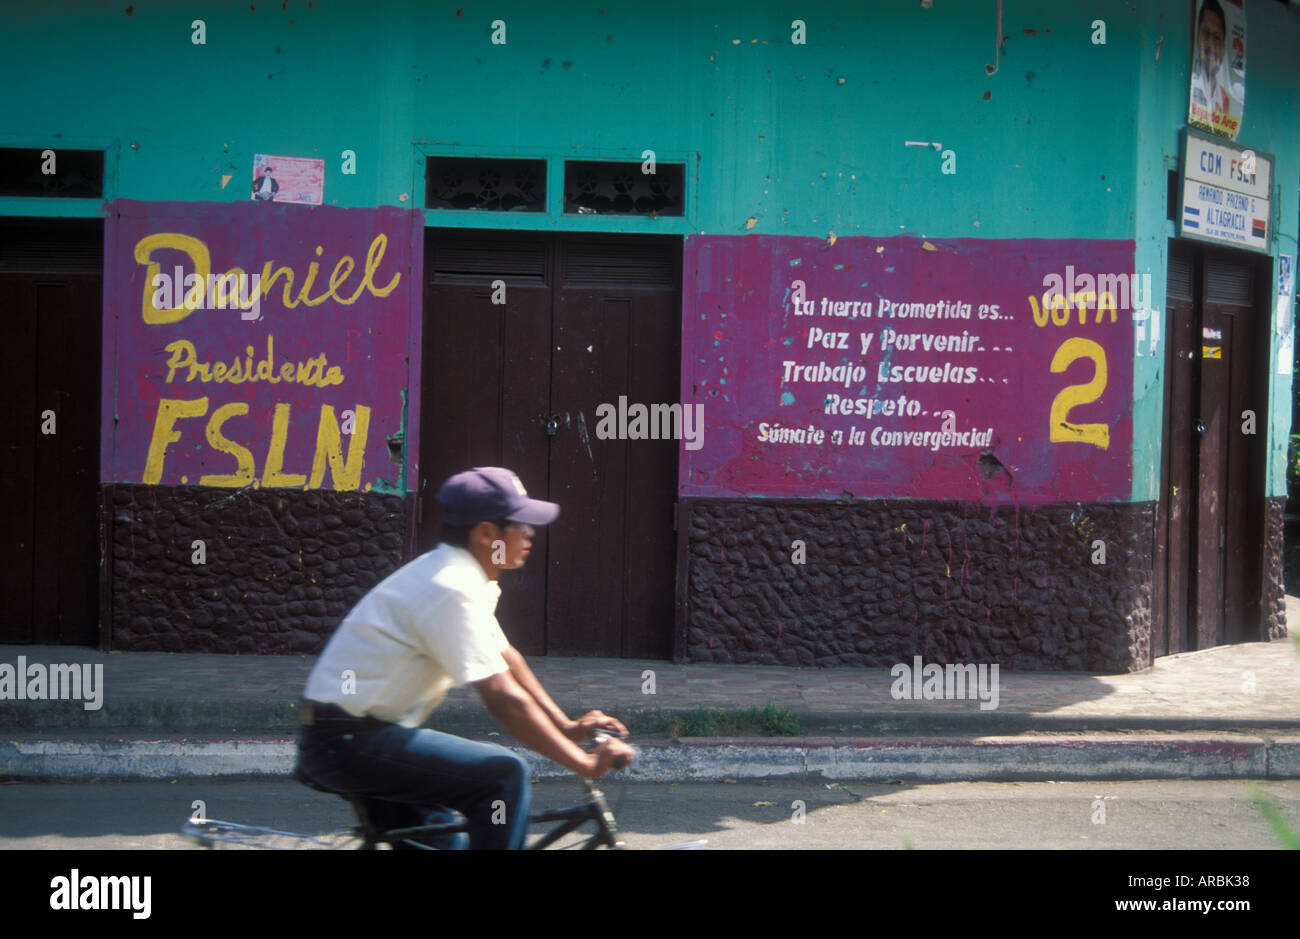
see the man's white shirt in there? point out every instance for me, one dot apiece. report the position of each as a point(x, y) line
point(428, 627)
point(1216, 98)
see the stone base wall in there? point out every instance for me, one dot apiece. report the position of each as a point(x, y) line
point(1273, 601)
point(881, 581)
point(884, 581)
point(282, 566)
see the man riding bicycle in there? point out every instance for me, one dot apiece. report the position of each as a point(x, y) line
point(427, 628)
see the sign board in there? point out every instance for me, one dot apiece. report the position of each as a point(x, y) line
point(256, 345)
point(1225, 193)
point(984, 370)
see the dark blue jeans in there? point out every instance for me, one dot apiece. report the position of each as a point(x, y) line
point(414, 776)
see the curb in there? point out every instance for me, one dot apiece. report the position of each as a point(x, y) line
point(177, 717)
point(930, 759)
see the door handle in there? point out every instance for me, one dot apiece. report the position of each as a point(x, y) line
point(552, 426)
point(1200, 428)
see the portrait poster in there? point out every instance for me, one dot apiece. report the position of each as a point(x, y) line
point(1218, 92)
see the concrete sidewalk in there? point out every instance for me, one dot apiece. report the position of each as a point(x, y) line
point(1231, 711)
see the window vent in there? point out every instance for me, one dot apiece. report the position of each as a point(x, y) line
point(489, 185)
point(603, 263)
point(1228, 283)
point(68, 246)
point(78, 174)
point(1180, 274)
point(604, 188)
point(462, 258)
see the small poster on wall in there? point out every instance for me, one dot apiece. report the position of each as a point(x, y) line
point(1285, 314)
point(288, 179)
point(1218, 67)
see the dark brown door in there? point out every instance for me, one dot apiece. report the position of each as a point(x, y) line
point(50, 305)
point(1238, 290)
point(1175, 570)
point(1213, 517)
point(486, 377)
point(585, 319)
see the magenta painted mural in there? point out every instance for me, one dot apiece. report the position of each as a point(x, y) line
point(968, 369)
point(251, 345)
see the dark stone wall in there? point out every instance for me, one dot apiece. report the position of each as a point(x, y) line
point(886, 580)
point(1273, 601)
point(283, 565)
point(882, 580)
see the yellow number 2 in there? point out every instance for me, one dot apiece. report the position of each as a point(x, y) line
point(1071, 396)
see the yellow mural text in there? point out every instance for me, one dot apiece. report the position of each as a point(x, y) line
point(313, 371)
point(200, 260)
point(1057, 307)
point(1060, 430)
point(345, 472)
point(243, 474)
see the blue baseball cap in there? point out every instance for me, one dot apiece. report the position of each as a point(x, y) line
point(488, 493)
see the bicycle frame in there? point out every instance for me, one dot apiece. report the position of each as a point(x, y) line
point(594, 809)
point(211, 832)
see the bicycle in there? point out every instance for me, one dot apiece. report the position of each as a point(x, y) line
point(366, 836)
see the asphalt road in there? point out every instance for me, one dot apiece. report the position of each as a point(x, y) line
point(746, 815)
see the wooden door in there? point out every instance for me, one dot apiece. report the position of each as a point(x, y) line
point(1238, 289)
point(612, 566)
point(513, 383)
point(50, 305)
point(486, 389)
point(1214, 430)
point(1174, 567)
point(1212, 519)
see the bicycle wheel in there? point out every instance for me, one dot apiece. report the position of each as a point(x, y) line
point(572, 841)
point(213, 833)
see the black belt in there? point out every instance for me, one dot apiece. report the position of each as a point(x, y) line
point(317, 712)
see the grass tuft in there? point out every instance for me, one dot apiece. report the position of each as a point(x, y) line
point(767, 721)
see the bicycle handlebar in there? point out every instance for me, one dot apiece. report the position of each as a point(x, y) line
point(600, 735)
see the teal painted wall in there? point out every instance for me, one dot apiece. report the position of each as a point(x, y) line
point(777, 136)
point(1067, 139)
point(1270, 124)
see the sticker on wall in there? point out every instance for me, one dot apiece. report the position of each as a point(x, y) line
point(1285, 312)
point(1211, 352)
point(288, 179)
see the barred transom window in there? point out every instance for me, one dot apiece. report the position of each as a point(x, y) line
point(600, 187)
point(486, 184)
point(53, 171)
